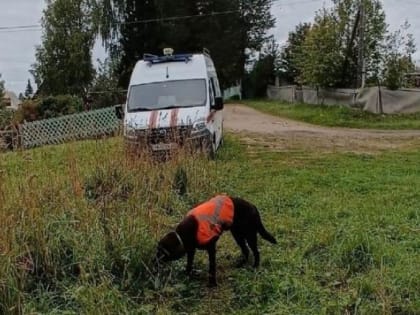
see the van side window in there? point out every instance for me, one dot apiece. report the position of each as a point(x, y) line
point(212, 92)
point(216, 89)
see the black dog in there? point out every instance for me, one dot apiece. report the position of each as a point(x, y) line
point(204, 224)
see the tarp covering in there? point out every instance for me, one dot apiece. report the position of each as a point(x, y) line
point(400, 101)
point(373, 99)
point(285, 93)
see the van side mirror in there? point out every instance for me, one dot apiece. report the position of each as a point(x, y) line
point(218, 103)
point(119, 111)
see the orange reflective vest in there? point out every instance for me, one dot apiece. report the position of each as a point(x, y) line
point(213, 217)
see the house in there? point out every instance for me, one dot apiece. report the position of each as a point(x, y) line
point(11, 100)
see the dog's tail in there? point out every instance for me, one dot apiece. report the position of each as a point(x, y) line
point(265, 234)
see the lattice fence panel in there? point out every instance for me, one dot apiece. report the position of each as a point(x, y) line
point(101, 122)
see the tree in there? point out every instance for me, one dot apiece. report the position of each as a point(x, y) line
point(289, 70)
point(29, 91)
point(5, 114)
point(332, 45)
point(255, 20)
point(263, 72)
point(1, 92)
point(105, 91)
point(398, 57)
point(187, 26)
point(321, 60)
point(125, 37)
point(64, 60)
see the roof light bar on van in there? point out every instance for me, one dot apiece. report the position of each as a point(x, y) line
point(153, 59)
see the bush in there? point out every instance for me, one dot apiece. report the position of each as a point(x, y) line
point(48, 107)
point(6, 117)
point(55, 106)
point(28, 111)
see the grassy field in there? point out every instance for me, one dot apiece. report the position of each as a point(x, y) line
point(80, 224)
point(337, 116)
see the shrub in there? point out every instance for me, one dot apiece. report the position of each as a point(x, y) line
point(6, 117)
point(48, 107)
point(28, 111)
point(55, 106)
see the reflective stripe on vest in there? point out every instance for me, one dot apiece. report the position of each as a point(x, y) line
point(214, 219)
point(211, 225)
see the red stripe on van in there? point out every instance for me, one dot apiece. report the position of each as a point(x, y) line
point(174, 117)
point(153, 119)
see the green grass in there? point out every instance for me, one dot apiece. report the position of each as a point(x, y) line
point(337, 116)
point(80, 223)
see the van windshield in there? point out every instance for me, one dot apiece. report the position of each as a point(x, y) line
point(168, 94)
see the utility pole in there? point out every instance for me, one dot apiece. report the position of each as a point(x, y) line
point(361, 58)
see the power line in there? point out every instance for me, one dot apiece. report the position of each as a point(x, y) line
point(19, 27)
point(280, 4)
point(174, 18)
point(276, 3)
point(22, 30)
point(36, 27)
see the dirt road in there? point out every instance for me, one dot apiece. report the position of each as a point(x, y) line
point(282, 134)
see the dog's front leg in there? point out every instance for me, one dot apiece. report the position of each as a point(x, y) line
point(212, 264)
point(190, 261)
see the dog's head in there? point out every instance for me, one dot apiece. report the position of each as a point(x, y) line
point(170, 247)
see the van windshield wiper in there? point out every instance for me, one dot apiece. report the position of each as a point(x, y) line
point(169, 107)
point(139, 109)
point(179, 106)
point(136, 109)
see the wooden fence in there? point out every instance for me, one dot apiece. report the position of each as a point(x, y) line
point(86, 125)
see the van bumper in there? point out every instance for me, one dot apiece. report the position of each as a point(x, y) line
point(194, 141)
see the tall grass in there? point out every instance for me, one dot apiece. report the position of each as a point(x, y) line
point(87, 215)
point(79, 225)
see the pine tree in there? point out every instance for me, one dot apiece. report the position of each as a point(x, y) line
point(29, 91)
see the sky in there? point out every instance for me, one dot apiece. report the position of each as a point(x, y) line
point(17, 48)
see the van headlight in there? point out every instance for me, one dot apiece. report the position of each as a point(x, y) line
point(198, 127)
point(131, 133)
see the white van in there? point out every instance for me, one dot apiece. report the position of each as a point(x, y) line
point(174, 100)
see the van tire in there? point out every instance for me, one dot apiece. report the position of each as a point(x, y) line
point(222, 138)
point(222, 142)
